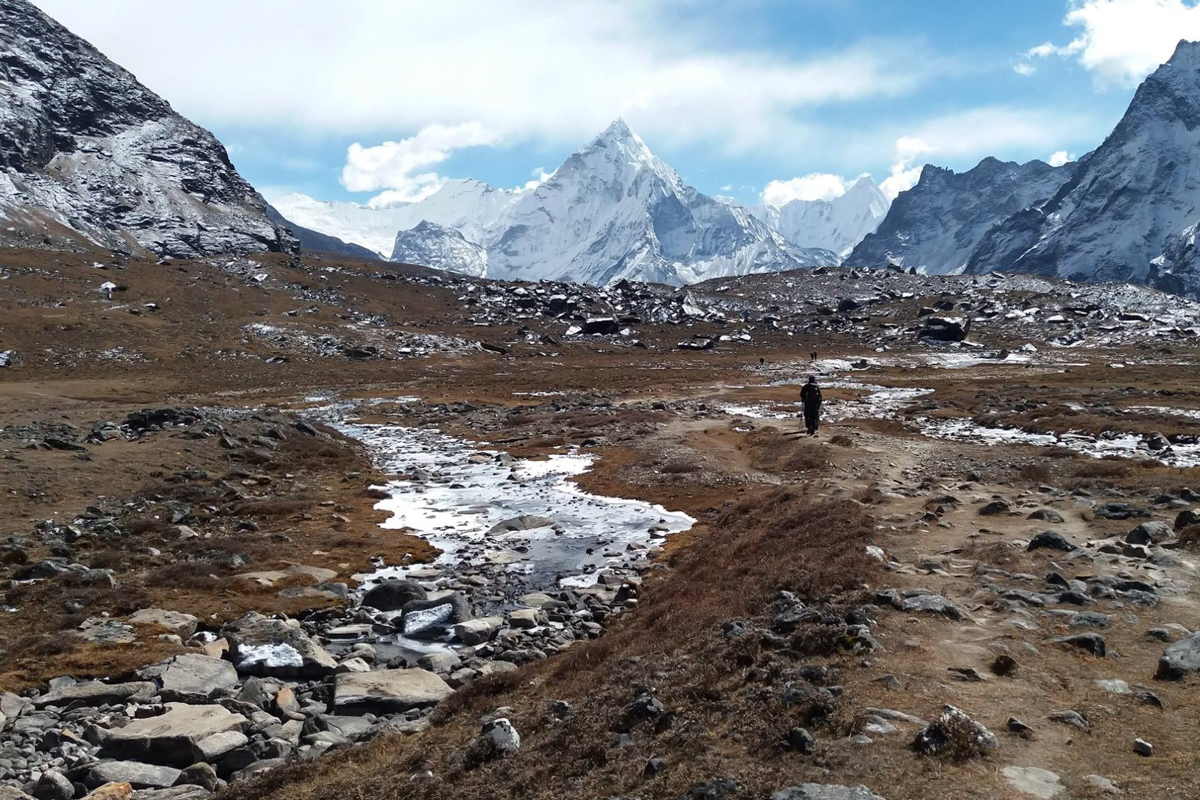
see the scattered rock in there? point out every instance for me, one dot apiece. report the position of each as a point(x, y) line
point(825, 791)
point(1052, 540)
point(1143, 748)
point(388, 691)
point(1180, 659)
point(170, 738)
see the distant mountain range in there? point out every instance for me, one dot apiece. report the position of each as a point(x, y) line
point(88, 153)
point(1128, 211)
point(613, 210)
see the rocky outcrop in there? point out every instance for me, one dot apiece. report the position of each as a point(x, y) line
point(1128, 213)
point(86, 147)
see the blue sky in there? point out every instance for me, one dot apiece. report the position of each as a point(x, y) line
point(740, 97)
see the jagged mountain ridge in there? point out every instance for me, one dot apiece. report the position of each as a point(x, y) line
point(837, 224)
point(1131, 210)
point(439, 247)
point(85, 147)
point(936, 225)
point(613, 210)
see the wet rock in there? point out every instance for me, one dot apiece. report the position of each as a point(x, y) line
point(435, 615)
point(170, 738)
point(135, 773)
point(1052, 540)
point(524, 522)
point(388, 691)
point(393, 595)
point(1180, 659)
point(263, 646)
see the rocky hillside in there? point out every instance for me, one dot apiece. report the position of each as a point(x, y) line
point(937, 224)
point(88, 151)
point(1129, 212)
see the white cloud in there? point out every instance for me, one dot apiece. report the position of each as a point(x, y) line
point(540, 176)
point(1024, 68)
point(904, 174)
point(817, 186)
point(1060, 157)
point(1123, 41)
point(391, 166)
point(540, 70)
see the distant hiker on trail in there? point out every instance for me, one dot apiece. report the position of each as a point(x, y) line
point(813, 356)
point(810, 398)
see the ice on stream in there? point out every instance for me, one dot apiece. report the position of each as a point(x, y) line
point(457, 493)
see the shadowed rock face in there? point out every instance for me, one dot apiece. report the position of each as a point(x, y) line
point(936, 225)
point(85, 146)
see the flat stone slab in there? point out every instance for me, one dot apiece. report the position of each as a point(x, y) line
point(135, 773)
point(182, 625)
point(170, 738)
point(389, 690)
point(1033, 781)
point(274, 576)
point(263, 646)
point(96, 693)
point(191, 676)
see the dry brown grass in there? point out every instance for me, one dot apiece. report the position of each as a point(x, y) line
point(671, 643)
point(772, 451)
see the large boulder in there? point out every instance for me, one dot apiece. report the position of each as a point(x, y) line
point(96, 693)
point(191, 677)
point(1180, 659)
point(170, 738)
point(393, 595)
point(388, 691)
point(945, 329)
point(279, 648)
point(1187, 518)
point(1150, 533)
point(434, 616)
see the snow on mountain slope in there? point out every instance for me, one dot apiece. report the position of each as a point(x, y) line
point(937, 224)
point(468, 206)
point(838, 224)
point(1131, 209)
point(613, 210)
point(84, 146)
point(439, 247)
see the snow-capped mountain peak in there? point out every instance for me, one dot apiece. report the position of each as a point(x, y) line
point(612, 210)
point(837, 224)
